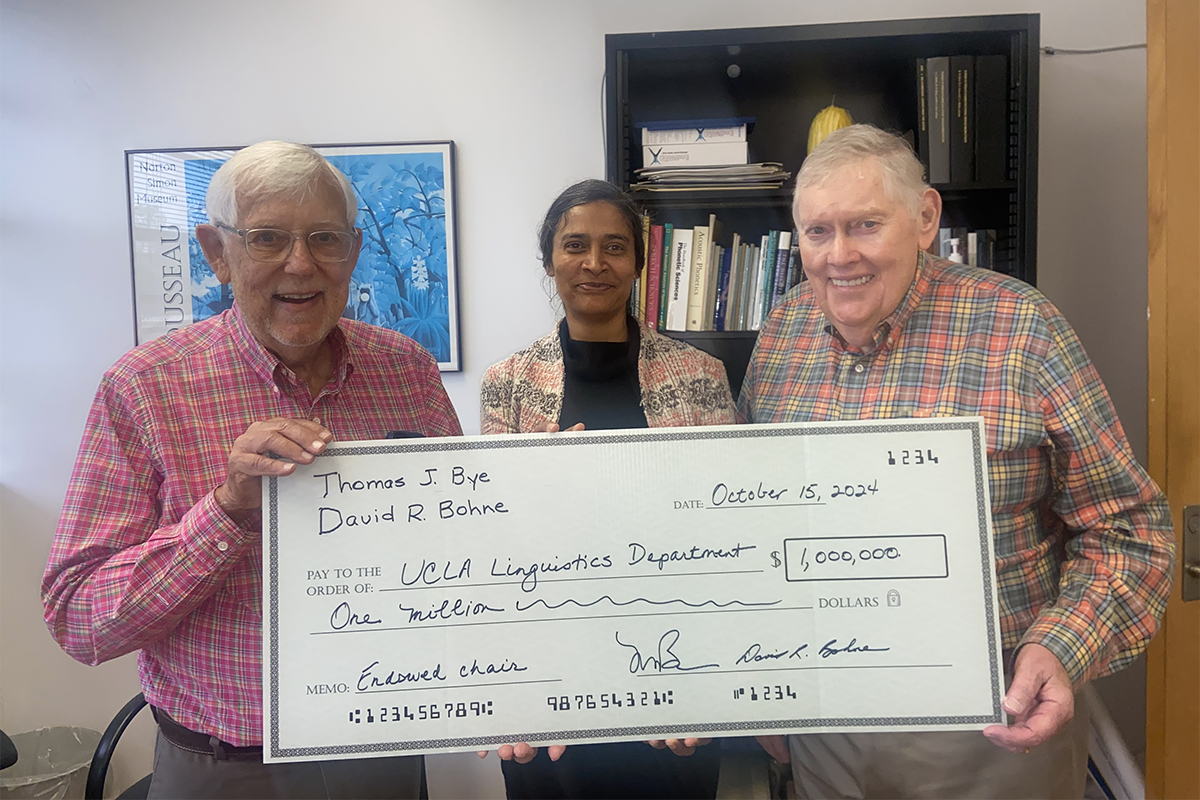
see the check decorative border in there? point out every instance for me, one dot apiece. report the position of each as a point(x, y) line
point(441, 445)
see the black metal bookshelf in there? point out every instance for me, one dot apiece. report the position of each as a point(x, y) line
point(782, 76)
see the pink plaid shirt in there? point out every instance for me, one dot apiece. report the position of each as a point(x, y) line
point(145, 560)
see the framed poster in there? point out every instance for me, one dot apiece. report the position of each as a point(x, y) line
point(406, 278)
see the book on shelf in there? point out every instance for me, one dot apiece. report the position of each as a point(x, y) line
point(796, 274)
point(991, 118)
point(664, 283)
point(749, 286)
point(680, 282)
point(781, 268)
point(721, 305)
point(962, 119)
point(640, 287)
point(922, 117)
point(698, 277)
point(937, 75)
point(694, 131)
point(986, 252)
point(653, 275)
point(734, 290)
point(703, 154)
point(770, 254)
point(705, 284)
point(942, 250)
point(745, 284)
point(714, 268)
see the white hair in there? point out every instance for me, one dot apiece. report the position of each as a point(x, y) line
point(270, 169)
point(903, 175)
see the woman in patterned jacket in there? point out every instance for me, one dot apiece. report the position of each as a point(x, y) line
point(599, 369)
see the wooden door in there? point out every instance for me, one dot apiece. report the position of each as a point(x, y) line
point(1173, 106)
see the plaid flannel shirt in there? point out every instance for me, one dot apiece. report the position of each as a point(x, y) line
point(144, 559)
point(1083, 538)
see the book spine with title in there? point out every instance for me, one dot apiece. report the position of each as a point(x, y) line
point(653, 275)
point(937, 76)
point(714, 263)
point(680, 283)
point(641, 283)
point(698, 280)
point(721, 304)
point(664, 281)
point(962, 119)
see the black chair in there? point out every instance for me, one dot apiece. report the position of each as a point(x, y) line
point(104, 752)
point(8, 751)
point(98, 772)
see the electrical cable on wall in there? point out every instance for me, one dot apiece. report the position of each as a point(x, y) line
point(604, 114)
point(1063, 51)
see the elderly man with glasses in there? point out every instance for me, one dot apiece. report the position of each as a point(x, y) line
point(158, 549)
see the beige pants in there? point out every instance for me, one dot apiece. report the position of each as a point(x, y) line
point(933, 765)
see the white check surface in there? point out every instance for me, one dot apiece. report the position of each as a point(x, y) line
point(440, 595)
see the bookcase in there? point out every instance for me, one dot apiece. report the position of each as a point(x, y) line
point(782, 77)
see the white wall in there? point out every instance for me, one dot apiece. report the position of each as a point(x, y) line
point(517, 85)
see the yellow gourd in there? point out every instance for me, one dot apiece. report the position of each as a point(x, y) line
point(826, 122)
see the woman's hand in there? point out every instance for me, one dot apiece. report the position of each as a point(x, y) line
point(523, 753)
point(680, 747)
point(552, 427)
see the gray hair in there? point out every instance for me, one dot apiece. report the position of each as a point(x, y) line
point(273, 169)
point(903, 175)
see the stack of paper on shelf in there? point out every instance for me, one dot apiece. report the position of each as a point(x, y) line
point(764, 175)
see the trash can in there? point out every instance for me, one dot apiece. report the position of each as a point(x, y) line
point(51, 763)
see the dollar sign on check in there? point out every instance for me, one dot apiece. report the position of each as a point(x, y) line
point(775, 561)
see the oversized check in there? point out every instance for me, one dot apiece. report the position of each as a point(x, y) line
point(429, 595)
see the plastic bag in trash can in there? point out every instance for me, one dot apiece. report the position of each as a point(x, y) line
point(52, 763)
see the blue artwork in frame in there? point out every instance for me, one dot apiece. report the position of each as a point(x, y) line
point(406, 277)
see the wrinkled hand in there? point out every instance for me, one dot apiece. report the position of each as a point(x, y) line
point(1040, 700)
point(523, 753)
point(296, 440)
point(552, 427)
point(776, 747)
point(680, 747)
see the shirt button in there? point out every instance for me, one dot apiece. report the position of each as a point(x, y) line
point(222, 546)
point(858, 368)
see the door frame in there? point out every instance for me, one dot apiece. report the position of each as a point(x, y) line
point(1173, 138)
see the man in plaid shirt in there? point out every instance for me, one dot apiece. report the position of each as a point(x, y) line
point(159, 547)
point(1084, 549)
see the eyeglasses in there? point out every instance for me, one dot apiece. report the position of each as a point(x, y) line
point(273, 245)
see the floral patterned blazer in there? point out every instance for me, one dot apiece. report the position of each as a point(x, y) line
point(680, 386)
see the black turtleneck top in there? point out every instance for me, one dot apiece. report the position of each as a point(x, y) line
point(600, 382)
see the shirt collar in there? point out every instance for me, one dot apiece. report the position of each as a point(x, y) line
point(887, 330)
point(271, 370)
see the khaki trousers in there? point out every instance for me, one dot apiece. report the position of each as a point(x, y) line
point(956, 764)
point(183, 774)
